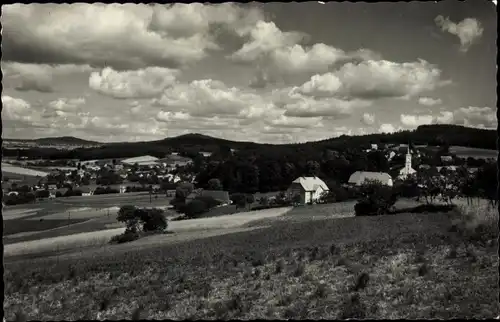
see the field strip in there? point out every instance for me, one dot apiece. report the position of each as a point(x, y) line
point(99, 238)
point(18, 213)
point(96, 238)
point(226, 221)
point(80, 213)
point(30, 233)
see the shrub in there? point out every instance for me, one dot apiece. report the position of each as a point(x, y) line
point(127, 236)
point(209, 201)
point(153, 220)
point(376, 199)
point(239, 200)
point(195, 208)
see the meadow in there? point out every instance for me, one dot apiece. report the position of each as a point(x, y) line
point(404, 266)
point(465, 152)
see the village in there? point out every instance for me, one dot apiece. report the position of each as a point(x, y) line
point(62, 178)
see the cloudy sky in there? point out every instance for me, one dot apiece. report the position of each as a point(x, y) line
point(272, 72)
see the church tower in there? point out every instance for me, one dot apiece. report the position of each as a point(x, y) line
point(408, 161)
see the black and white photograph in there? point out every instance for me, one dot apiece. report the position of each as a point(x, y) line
point(226, 161)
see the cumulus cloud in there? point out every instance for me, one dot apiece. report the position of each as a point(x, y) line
point(378, 79)
point(65, 104)
point(206, 97)
point(15, 109)
point(468, 30)
point(37, 77)
point(415, 120)
point(295, 122)
point(429, 101)
point(472, 116)
point(172, 116)
point(387, 128)
point(368, 119)
point(122, 36)
point(142, 83)
point(370, 80)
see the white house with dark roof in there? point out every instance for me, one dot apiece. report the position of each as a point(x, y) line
point(358, 178)
point(308, 188)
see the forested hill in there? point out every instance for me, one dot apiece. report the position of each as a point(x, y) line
point(191, 143)
point(63, 140)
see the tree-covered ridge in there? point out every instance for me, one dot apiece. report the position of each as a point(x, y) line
point(434, 135)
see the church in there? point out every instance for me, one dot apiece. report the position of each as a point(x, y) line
point(407, 170)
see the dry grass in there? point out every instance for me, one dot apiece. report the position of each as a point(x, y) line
point(81, 213)
point(393, 267)
point(9, 214)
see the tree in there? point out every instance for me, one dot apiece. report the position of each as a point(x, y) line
point(214, 184)
point(127, 215)
point(239, 200)
point(376, 199)
point(312, 168)
point(195, 208)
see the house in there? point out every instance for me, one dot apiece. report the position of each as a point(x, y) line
point(87, 191)
point(374, 147)
point(308, 188)
point(358, 178)
point(173, 161)
point(407, 170)
point(52, 187)
point(446, 158)
point(206, 154)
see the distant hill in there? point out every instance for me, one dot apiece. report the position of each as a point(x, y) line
point(433, 135)
point(63, 140)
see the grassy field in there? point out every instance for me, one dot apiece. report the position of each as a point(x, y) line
point(404, 266)
point(465, 152)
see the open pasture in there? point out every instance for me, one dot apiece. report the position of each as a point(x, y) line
point(465, 152)
point(407, 266)
point(9, 214)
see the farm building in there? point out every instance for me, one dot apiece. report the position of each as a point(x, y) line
point(308, 188)
point(142, 161)
point(359, 177)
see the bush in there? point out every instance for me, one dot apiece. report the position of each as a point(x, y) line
point(377, 199)
point(153, 220)
point(209, 201)
point(127, 236)
point(239, 199)
point(195, 208)
point(43, 193)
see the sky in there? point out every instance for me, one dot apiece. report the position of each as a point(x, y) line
point(272, 72)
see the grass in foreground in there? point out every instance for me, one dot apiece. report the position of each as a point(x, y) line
point(404, 266)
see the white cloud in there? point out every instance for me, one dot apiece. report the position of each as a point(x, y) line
point(172, 116)
point(472, 116)
point(295, 122)
point(388, 128)
point(476, 117)
point(429, 101)
point(65, 104)
point(123, 36)
point(415, 120)
point(368, 119)
point(468, 30)
point(206, 98)
point(320, 85)
point(37, 77)
point(15, 109)
point(142, 83)
point(377, 79)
